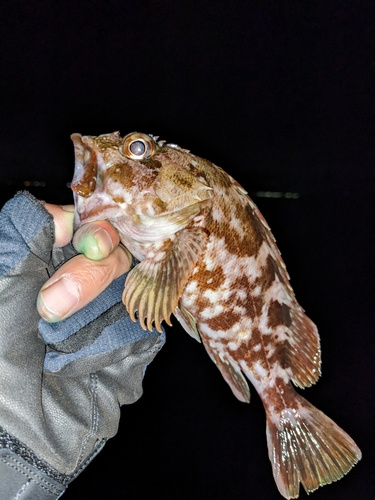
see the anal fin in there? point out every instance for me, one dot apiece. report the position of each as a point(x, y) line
point(187, 321)
point(231, 373)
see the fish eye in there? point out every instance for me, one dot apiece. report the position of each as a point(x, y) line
point(137, 146)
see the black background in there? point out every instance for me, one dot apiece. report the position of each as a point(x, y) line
point(279, 95)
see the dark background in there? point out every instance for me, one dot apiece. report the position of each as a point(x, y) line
point(280, 95)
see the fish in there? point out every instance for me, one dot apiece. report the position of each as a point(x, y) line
point(207, 256)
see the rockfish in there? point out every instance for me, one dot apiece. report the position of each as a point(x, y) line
point(208, 257)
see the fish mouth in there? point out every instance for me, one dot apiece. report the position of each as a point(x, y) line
point(92, 203)
point(97, 207)
point(79, 155)
point(85, 177)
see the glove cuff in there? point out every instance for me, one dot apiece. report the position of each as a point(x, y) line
point(24, 476)
point(21, 480)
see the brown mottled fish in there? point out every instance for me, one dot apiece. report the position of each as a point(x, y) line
point(208, 256)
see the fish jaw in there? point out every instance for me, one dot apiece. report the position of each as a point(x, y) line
point(86, 166)
point(99, 206)
point(79, 152)
point(92, 197)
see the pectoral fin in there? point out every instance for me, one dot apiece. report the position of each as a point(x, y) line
point(154, 286)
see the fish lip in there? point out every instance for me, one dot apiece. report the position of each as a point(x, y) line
point(86, 219)
point(79, 151)
point(77, 219)
point(91, 212)
point(90, 218)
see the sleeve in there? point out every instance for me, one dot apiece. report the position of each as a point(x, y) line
point(62, 384)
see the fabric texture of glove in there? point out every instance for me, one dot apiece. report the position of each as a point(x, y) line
point(61, 384)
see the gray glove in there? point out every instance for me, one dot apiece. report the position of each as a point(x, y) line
point(61, 384)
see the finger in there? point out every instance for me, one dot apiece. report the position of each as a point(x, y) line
point(63, 218)
point(78, 282)
point(96, 240)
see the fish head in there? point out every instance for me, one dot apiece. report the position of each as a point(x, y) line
point(145, 188)
point(109, 177)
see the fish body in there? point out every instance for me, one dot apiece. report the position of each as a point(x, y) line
point(208, 257)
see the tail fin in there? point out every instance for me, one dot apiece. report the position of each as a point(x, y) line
point(306, 446)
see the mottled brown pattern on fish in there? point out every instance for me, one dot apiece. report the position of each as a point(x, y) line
point(223, 321)
point(208, 255)
point(258, 338)
point(213, 174)
point(253, 306)
point(278, 314)
point(281, 396)
point(108, 142)
point(267, 277)
point(208, 279)
point(281, 354)
point(246, 349)
point(247, 244)
point(121, 173)
point(152, 164)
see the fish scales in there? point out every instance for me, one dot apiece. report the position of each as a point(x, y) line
point(208, 257)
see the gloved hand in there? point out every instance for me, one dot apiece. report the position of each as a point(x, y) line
point(61, 383)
